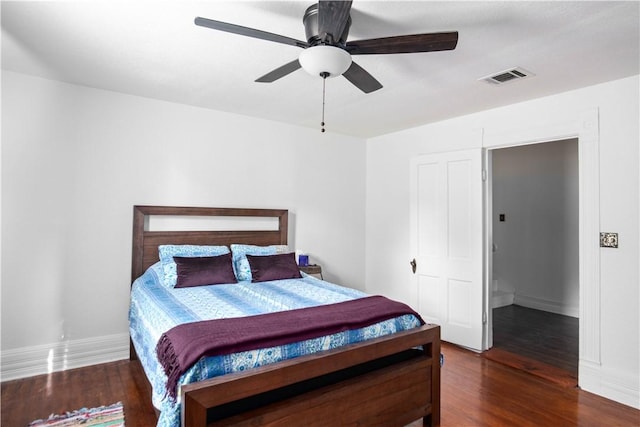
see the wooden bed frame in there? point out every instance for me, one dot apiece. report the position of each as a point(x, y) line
point(388, 381)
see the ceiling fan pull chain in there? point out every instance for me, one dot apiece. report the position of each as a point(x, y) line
point(324, 76)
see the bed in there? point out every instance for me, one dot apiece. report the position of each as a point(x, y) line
point(391, 379)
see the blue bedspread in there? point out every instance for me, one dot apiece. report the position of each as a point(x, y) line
point(156, 309)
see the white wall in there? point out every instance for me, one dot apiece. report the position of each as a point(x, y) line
point(617, 374)
point(74, 162)
point(536, 247)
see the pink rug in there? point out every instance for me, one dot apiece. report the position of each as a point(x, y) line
point(104, 416)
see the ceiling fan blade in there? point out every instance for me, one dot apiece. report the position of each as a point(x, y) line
point(279, 72)
point(249, 32)
point(361, 78)
point(430, 42)
point(332, 18)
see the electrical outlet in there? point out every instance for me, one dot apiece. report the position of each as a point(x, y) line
point(608, 240)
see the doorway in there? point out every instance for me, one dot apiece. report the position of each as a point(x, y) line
point(534, 289)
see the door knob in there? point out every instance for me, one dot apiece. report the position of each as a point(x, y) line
point(413, 265)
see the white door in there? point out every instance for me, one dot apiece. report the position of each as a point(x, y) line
point(446, 241)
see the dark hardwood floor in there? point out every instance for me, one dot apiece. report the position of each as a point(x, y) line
point(476, 391)
point(548, 337)
point(36, 397)
point(536, 341)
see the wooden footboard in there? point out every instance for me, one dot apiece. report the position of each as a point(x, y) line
point(382, 382)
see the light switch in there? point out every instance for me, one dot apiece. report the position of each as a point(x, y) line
point(608, 240)
point(501, 217)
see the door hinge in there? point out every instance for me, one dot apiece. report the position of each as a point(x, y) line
point(484, 174)
point(484, 317)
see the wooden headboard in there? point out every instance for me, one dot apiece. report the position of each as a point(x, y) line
point(146, 242)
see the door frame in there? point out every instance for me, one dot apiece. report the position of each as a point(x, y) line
point(586, 129)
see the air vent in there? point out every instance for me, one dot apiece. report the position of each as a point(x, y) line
point(507, 76)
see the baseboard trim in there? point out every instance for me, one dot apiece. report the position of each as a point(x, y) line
point(612, 384)
point(501, 299)
point(44, 359)
point(546, 305)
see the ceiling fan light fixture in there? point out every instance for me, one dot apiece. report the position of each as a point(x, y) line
point(320, 59)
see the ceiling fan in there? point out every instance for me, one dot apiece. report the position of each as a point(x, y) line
point(327, 53)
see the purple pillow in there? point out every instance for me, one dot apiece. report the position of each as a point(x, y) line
point(206, 270)
point(273, 267)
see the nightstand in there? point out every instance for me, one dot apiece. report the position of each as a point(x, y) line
point(313, 270)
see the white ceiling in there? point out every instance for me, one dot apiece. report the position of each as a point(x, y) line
point(153, 49)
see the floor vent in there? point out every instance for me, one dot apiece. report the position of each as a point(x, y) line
point(507, 76)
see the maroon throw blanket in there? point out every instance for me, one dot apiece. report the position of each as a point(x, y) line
point(185, 344)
